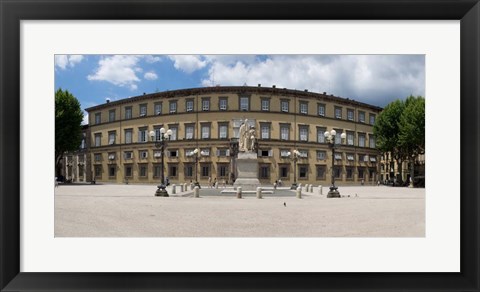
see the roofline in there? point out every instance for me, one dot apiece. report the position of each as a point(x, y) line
point(229, 89)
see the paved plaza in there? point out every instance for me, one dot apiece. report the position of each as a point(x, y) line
point(119, 210)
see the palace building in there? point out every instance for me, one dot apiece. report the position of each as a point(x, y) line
point(208, 119)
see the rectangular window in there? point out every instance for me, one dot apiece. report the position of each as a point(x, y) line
point(284, 106)
point(321, 172)
point(350, 140)
point(205, 152)
point(143, 170)
point(338, 112)
point(350, 157)
point(303, 107)
point(172, 170)
point(349, 173)
point(338, 156)
point(361, 173)
point(371, 141)
point(361, 117)
point(143, 154)
point(157, 170)
point(158, 108)
point(337, 171)
point(222, 104)
point(205, 131)
point(265, 130)
point(98, 171)
point(172, 153)
point(362, 158)
point(244, 103)
point(128, 112)
point(284, 153)
point(128, 136)
point(303, 153)
point(321, 155)
point(111, 115)
point(142, 135)
point(173, 107)
point(98, 140)
point(265, 104)
point(98, 157)
point(223, 152)
point(265, 153)
point(222, 131)
point(98, 118)
point(128, 171)
point(222, 170)
point(283, 171)
point(128, 154)
point(143, 110)
point(205, 170)
point(338, 137)
point(321, 135)
point(264, 171)
point(350, 114)
point(372, 119)
point(303, 171)
point(111, 137)
point(189, 170)
point(303, 133)
point(189, 131)
point(189, 106)
point(321, 109)
point(284, 132)
point(205, 104)
point(361, 140)
point(174, 129)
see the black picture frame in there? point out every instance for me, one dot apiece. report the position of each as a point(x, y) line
point(12, 12)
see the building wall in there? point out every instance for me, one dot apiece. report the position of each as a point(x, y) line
point(113, 166)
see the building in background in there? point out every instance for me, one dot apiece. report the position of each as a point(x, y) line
point(208, 119)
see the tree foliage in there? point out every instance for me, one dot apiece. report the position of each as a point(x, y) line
point(68, 120)
point(400, 129)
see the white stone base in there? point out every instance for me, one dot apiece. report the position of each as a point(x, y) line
point(247, 171)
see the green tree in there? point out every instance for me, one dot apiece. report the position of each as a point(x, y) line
point(68, 120)
point(411, 137)
point(386, 130)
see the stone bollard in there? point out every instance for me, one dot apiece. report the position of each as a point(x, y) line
point(320, 190)
point(216, 185)
point(181, 188)
point(299, 193)
point(185, 187)
point(259, 193)
point(307, 188)
point(196, 192)
point(191, 186)
point(311, 188)
point(174, 189)
point(239, 192)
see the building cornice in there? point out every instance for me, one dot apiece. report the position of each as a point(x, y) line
point(247, 90)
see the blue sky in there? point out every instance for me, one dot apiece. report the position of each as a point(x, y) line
point(373, 79)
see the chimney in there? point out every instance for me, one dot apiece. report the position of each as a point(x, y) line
point(107, 99)
point(306, 90)
point(274, 86)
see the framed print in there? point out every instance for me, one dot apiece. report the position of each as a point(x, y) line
point(254, 105)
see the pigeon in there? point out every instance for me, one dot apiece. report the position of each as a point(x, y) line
point(285, 204)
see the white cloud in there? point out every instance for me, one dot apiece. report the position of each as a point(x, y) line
point(188, 63)
point(152, 59)
point(85, 118)
point(64, 61)
point(150, 75)
point(119, 70)
point(375, 79)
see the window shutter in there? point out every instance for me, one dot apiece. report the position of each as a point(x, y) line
point(228, 152)
point(270, 153)
point(218, 152)
point(176, 153)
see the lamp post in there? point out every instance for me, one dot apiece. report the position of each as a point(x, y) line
point(330, 136)
point(160, 144)
point(294, 156)
point(194, 153)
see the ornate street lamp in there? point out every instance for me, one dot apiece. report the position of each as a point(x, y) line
point(330, 136)
point(160, 143)
point(194, 154)
point(294, 156)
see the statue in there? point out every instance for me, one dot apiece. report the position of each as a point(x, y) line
point(252, 134)
point(241, 137)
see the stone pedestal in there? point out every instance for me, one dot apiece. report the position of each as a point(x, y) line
point(247, 171)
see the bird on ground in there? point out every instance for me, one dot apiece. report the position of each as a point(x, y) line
point(285, 204)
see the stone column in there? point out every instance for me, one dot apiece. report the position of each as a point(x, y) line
point(320, 191)
point(239, 192)
point(196, 192)
point(174, 189)
point(259, 193)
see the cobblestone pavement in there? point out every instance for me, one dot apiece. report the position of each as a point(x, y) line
point(116, 210)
